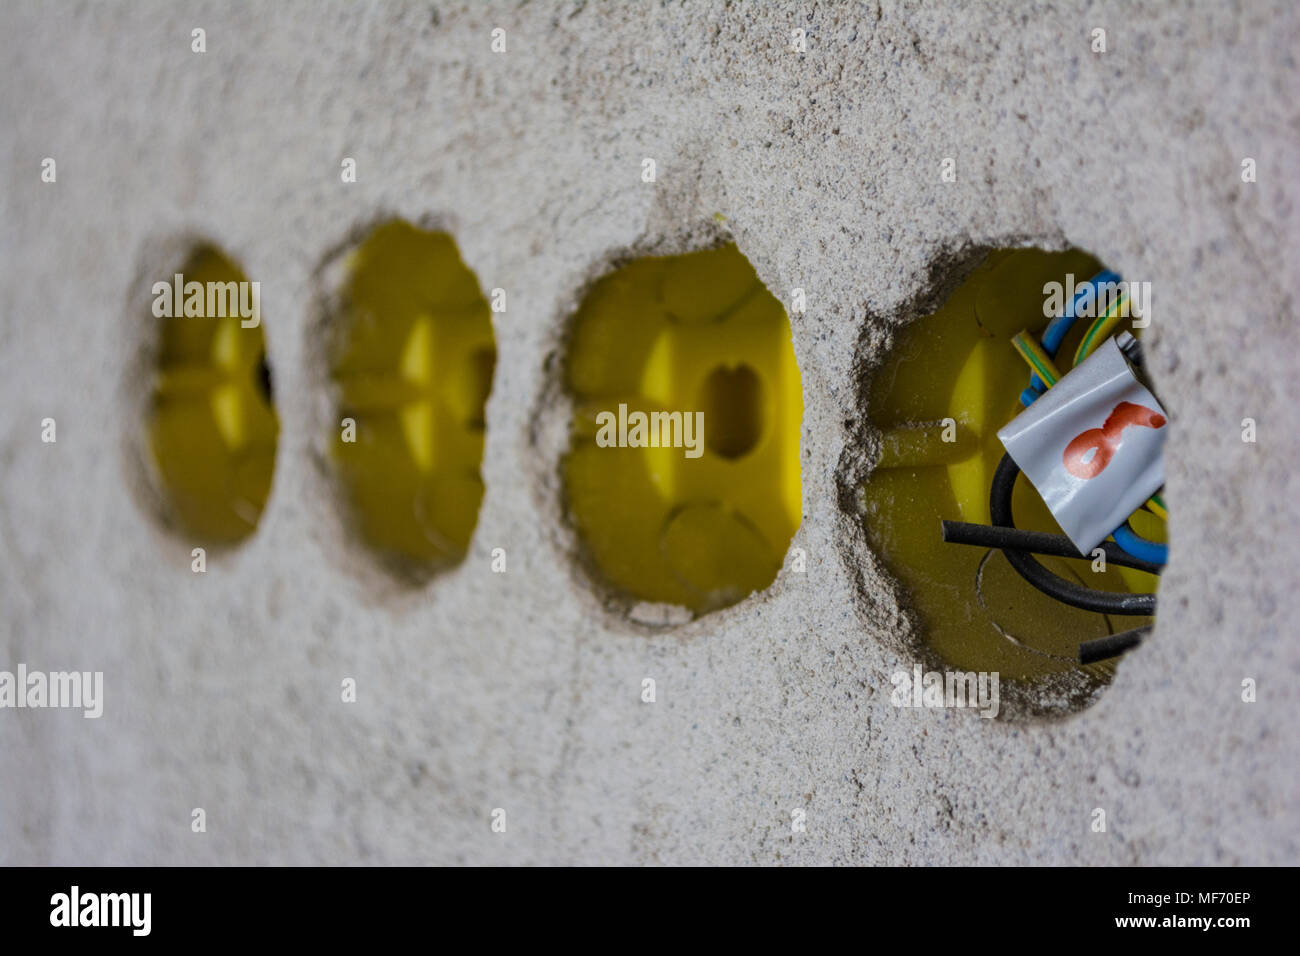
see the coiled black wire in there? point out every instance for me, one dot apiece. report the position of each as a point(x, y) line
point(1089, 599)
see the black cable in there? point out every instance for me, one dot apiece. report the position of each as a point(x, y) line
point(1112, 645)
point(1038, 542)
point(1089, 599)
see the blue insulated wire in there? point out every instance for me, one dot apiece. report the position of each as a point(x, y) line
point(1139, 547)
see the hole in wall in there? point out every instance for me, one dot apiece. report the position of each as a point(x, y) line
point(411, 364)
point(682, 479)
point(950, 380)
point(211, 423)
point(731, 400)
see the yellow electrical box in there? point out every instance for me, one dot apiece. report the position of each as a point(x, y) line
point(696, 509)
point(959, 365)
point(212, 427)
point(414, 367)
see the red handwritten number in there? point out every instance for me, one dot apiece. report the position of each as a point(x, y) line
point(1104, 441)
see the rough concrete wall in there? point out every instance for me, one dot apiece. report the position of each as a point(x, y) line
point(521, 690)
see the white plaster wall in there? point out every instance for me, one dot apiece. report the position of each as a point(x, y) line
point(519, 690)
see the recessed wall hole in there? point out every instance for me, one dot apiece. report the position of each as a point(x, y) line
point(951, 380)
point(212, 426)
point(682, 478)
point(413, 359)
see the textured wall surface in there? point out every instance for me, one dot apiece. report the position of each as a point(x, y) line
point(522, 690)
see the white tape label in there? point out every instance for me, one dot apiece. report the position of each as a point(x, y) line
point(1092, 445)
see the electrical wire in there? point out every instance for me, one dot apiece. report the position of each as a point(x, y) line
point(1038, 361)
point(1037, 542)
point(1140, 547)
point(1100, 330)
point(1128, 550)
point(1089, 599)
point(1060, 326)
point(1112, 645)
